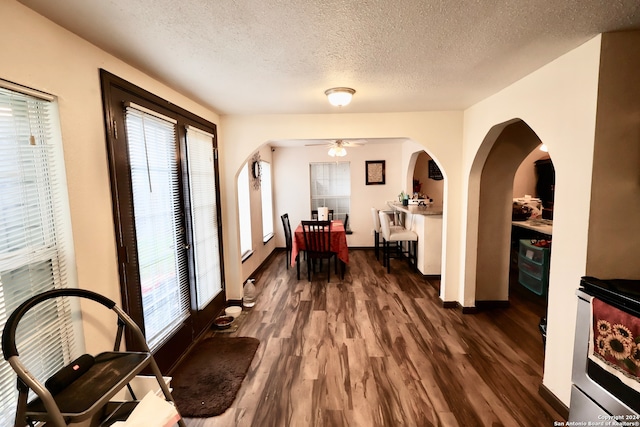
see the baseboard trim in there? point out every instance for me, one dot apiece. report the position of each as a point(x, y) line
point(273, 253)
point(553, 400)
point(489, 304)
point(469, 310)
point(456, 305)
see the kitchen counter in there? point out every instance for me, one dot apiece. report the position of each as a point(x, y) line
point(414, 209)
point(544, 226)
point(426, 221)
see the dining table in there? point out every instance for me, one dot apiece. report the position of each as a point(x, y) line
point(338, 243)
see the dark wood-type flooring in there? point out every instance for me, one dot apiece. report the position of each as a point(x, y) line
point(378, 349)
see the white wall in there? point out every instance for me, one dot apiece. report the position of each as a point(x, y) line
point(559, 103)
point(291, 174)
point(42, 55)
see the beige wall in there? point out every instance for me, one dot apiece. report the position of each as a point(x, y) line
point(614, 231)
point(558, 102)
point(48, 58)
point(261, 250)
point(525, 179)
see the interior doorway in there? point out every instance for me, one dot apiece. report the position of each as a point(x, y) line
point(508, 145)
point(505, 167)
point(532, 233)
point(428, 181)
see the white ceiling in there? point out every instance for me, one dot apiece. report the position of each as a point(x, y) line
point(279, 56)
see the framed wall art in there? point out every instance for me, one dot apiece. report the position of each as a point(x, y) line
point(374, 170)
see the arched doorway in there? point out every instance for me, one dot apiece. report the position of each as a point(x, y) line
point(427, 179)
point(507, 148)
point(508, 145)
point(427, 182)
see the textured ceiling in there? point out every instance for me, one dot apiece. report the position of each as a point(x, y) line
point(279, 56)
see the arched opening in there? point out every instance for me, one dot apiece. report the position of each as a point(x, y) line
point(256, 215)
point(426, 182)
point(509, 163)
point(495, 199)
point(531, 234)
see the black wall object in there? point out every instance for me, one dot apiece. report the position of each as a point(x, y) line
point(546, 181)
point(434, 171)
point(545, 185)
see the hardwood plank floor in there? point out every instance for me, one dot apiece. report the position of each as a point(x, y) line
point(378, 349)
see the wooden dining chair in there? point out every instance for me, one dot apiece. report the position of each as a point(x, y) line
point(317, 243)
point(314, 214)
point(287, 236)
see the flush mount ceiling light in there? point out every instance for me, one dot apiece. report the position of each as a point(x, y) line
point(339, 96)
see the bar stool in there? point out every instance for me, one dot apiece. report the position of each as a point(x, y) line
point(397, 236)
point(376, 229)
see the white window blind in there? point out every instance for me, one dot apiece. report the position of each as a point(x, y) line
point(204, 215)
point(244, 211)
point(159, 231)
point(267, 201)
point(331, 187)
point(33, 241)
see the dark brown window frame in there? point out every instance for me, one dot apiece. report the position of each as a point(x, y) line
point(115, 90)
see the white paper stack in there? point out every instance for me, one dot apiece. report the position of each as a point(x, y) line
point(151, 411)
point(323, 213)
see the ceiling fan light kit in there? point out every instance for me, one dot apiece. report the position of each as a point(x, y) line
point(337, 147)
point(337, 151)
point(339, 96)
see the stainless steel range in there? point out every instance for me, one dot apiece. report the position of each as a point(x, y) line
point(603, 393)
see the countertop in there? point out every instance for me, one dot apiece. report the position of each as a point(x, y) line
point(544, 226)
point(417, 210)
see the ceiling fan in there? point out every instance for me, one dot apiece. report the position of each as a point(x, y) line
point(337, 147)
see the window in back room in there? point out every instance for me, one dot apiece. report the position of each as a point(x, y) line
point(244, 212)
point(331, 187)
point(267, 201)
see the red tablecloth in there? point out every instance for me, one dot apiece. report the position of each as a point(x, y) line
point(338, 242)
